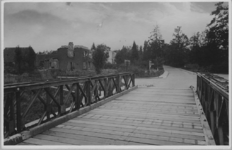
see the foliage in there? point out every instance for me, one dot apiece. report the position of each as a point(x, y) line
point(18, 59)
point(134, 53)
point(123, 54)
point(100, 55)
point(218, 27)
point(153, 47)
point(93, 47)
point(24, 60)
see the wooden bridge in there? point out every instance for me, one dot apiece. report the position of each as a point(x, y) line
point(119, 110)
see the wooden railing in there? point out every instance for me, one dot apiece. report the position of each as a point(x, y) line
point(213, 94)
point(30, 104)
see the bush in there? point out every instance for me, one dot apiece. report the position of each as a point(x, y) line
point(192, 67)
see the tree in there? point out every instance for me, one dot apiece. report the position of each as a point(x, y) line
point(100, 55)
point(31, 57)
point(155, 44)
point(219, 26)
point(146, 53)
point(18, 59)
point(179, 48)
point(134, 53)
point(140, 53)
point(123, 54)
point(93, 47)
point(195, 45)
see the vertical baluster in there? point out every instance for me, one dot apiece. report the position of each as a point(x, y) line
point(18, 109)
point(120, 82)
point(220, 136)
point(117, 84)
point(48, 99)
point(109, 86)
point(133, 79)
point(88, 92)
point(106, 87)
point(62, 106)
point(77, 101)
point(212, 121)
point(12, 113)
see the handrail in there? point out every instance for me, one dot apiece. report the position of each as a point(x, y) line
point(56, 98)
point(214, 98)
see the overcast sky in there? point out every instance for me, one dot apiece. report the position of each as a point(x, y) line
point(48, 25)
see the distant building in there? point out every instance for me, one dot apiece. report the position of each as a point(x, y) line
point(111, 58)
point(67, 58)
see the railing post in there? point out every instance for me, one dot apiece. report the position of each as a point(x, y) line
point(106, 87)
point(62, 106)
point(48, 99)
point(220, 136)
point(118, 83)
point(18, 109)
point(212, 122)
point(77, 101)
point(110, 86)
point(11, 125)
point(133, 80)
point(88, 92)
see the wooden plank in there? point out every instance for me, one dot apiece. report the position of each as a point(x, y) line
point(112, 117)
point(153, 103)
point(155, 139)
point(93, 140)
point(24, 143)
point(36, 141)
point(141, 114)
point(64, 140)
point(129, 130)
point(187, 130)
point(157, 111)
point(155, 93)
point(154, 97)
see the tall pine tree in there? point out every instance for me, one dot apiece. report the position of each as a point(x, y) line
point(134, 53)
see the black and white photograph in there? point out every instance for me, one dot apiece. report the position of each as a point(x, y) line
point(115, 74)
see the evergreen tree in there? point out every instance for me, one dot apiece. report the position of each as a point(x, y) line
point(134, 53)
point(179, 50)
point(93, 47)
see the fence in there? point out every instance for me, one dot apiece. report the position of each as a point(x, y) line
point(51, 99)
point(213, 94)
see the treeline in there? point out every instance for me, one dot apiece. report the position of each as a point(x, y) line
point(206, 51)
point(23, 61)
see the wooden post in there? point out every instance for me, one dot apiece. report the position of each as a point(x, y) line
point(62, 106)
point(117, 84)
point(48, 99)
point(77, 101)
point(18, 109)
point(220, 136)
point(212, 122)
point(120, 82)
point(88, 92)
point(105, 87)
point(12, 114)
point(133, 80)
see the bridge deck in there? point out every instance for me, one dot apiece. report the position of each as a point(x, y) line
point(159, 112)
point(145, 116)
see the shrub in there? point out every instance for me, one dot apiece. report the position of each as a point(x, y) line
point(192, 67)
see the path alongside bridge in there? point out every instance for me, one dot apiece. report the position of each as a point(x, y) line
point(159, 112)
